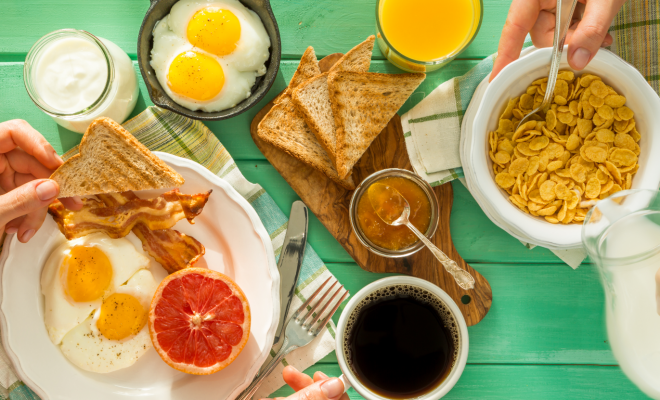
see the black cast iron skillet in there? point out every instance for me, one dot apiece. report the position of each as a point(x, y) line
point(158, 10)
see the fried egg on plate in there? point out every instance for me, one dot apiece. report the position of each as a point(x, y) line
point(79, 274)
point(207, 54)
point(116, 335)
point(100, 285)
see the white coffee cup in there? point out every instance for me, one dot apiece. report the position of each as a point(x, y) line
point(350, 380)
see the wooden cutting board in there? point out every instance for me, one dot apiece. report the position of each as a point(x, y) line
point(329, 202)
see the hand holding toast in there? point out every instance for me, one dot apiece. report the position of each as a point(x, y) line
point(26, 162)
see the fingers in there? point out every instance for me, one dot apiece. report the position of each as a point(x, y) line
point(31, 224)
point(543, 31)
point(329, 389)
point(72, 203)
point(18, 133)
point(591, 32)
point(320, 376)
point(12, 226)
point(522, 16)
point(296, 379)
point(24, 163)
point(27, 199)
point(332, 388)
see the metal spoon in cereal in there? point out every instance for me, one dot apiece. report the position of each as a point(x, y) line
point(564, 13)
point(393, 209)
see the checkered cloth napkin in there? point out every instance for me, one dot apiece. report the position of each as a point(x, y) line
point(432, 129)
point(162, 130)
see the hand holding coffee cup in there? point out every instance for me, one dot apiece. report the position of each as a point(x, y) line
point(320, 387)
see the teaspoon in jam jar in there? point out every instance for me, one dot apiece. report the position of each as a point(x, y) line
point(394, 210)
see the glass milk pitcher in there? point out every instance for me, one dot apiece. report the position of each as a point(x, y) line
point(622, 236)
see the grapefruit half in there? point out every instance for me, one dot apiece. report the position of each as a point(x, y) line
point(199, 321)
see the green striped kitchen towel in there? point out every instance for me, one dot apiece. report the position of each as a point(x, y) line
point(165, 131)
point(432, 128)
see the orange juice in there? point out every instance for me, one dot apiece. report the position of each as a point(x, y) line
point(428, 30)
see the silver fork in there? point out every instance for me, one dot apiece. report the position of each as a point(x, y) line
point(564, 15)
point(301, 329)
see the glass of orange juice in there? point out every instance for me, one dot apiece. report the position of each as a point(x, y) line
point(425, 35)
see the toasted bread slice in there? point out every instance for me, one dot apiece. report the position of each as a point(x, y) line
point(357, 59)
point(112, 160)
point(363, 104)
point(284, 128)
point(312, 100)
point(308, 68)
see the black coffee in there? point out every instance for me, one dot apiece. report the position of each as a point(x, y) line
point(402, 342)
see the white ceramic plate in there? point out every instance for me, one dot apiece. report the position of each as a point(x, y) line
point(512, 81)
point(237, 244)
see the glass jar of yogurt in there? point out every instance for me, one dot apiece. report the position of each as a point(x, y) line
point(76, 77)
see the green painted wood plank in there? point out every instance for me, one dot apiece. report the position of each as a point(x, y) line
point(24, 22)
point(233, 133)
point(541, 314)
point(512, 382)
point(330, 27)
point(477, 239)
point(337, 26)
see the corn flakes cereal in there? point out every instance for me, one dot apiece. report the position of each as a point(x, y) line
point(505, 180)
point(585, 147)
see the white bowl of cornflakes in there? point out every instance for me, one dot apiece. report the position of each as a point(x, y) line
point(599, 145)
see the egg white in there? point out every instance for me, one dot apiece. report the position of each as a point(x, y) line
point(251, 49)
point(88, 349)
point(241, 67)
point(62, 313)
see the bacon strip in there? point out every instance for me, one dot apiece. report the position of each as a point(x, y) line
point(170, 248)
point(117, 221)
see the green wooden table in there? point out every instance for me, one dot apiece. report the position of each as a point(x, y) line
point(544, 337)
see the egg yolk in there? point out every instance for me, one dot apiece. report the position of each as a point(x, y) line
point(122, 315)
point(214, 30)
point(196, 75)
point(86, 273)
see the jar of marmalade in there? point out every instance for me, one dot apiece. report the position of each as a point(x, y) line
point(387, 240)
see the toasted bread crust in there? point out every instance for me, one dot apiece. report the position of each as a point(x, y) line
point(308, 68)
point(285, 129)
point(363, 104)
point(128, 166)
point(312, 99)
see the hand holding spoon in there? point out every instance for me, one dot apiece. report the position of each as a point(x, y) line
point(394, 210)
point(564, 15)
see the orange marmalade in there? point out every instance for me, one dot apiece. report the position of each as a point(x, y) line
point(395, 237)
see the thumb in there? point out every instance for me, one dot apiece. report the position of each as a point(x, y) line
point(27, 198)
point(328, 389)
point(591, 31)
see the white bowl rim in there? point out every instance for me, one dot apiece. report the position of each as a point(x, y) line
point(539, 231)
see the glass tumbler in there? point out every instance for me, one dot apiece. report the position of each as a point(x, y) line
point(406, 63)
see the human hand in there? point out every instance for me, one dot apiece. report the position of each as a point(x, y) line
point(321, 387)
point(587, 33)
point(26, 162)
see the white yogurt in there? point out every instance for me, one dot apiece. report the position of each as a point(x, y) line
point(71, 74)
point(69, 77)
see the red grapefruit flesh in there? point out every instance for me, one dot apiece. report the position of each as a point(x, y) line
point(199, 321)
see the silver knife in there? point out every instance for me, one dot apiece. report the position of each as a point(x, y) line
point(291, 257)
